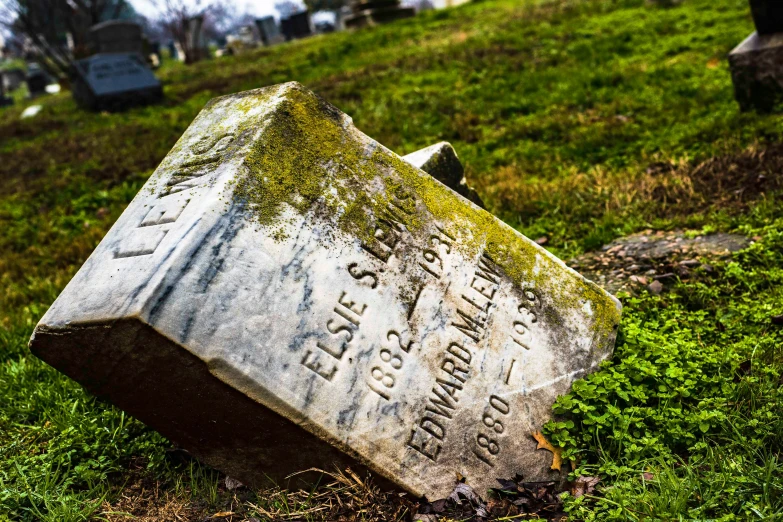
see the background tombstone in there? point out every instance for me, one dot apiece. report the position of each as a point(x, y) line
point(374, 12)
point(297, 25)
point(37, 80)
point(4, 100)
point(243, 40)
point(114, 82)
point(286, 293)
point(197, 44)
point(757, 63)
point(117, 36)
point(12, 79)
point(269, 31)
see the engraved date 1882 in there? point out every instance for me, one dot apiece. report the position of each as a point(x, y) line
point(383, 376)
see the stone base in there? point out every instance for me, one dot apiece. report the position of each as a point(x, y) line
point(177, 394)
point(757, 72)
point(378, 16)
point(115, 102)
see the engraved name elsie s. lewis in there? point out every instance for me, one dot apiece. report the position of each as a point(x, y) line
point(286, 293)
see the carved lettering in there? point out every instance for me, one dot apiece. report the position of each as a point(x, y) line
point(360, 275)
point(340, 330)
point(147, 237)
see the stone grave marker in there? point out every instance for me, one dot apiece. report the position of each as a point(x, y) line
point(4, 100)
point(196, 42)
point(286, 293)
point(441, 162)
point(269, 31)
point(757, 63)
point(36, 80)
point(114, 82)
point(297, 25)
point(117, 36)
point(12, 79)
point(375, 12)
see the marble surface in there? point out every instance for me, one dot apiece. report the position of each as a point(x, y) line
point(427, 350)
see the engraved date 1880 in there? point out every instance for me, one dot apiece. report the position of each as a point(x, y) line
point(487, 439)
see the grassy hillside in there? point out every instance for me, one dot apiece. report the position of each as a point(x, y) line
point(579, 120)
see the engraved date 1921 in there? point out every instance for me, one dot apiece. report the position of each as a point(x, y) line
point(487, 445)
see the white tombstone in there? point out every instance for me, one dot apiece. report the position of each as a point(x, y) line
point(286, 293)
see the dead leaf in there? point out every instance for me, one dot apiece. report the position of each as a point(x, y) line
point(584, 486)
point(232, 484)
point(545, 444)
point(223, 514)
point(466, 491)
point(713, 63)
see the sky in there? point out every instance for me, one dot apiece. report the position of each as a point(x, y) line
point(257, 8)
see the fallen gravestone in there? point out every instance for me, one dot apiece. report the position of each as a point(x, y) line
point(114, 82)
point(757, 63)
point(286, 293)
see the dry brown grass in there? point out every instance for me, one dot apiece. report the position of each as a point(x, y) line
point(344, 497)
point(662, 190)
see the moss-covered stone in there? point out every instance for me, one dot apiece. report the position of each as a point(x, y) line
point(311, 158)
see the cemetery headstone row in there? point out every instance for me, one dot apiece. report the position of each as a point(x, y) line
point(286, 293)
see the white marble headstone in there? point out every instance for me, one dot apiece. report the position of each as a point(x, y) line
point(285, 292)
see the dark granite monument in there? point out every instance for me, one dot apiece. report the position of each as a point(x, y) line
point(374, 12)
point(296, 26)
point(117, 36)
point(36, 80)
point(110, 82)
point(757, 63)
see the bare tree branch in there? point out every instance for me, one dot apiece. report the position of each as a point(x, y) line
point(46, 24)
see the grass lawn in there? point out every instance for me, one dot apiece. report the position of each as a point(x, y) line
point(579, 120)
